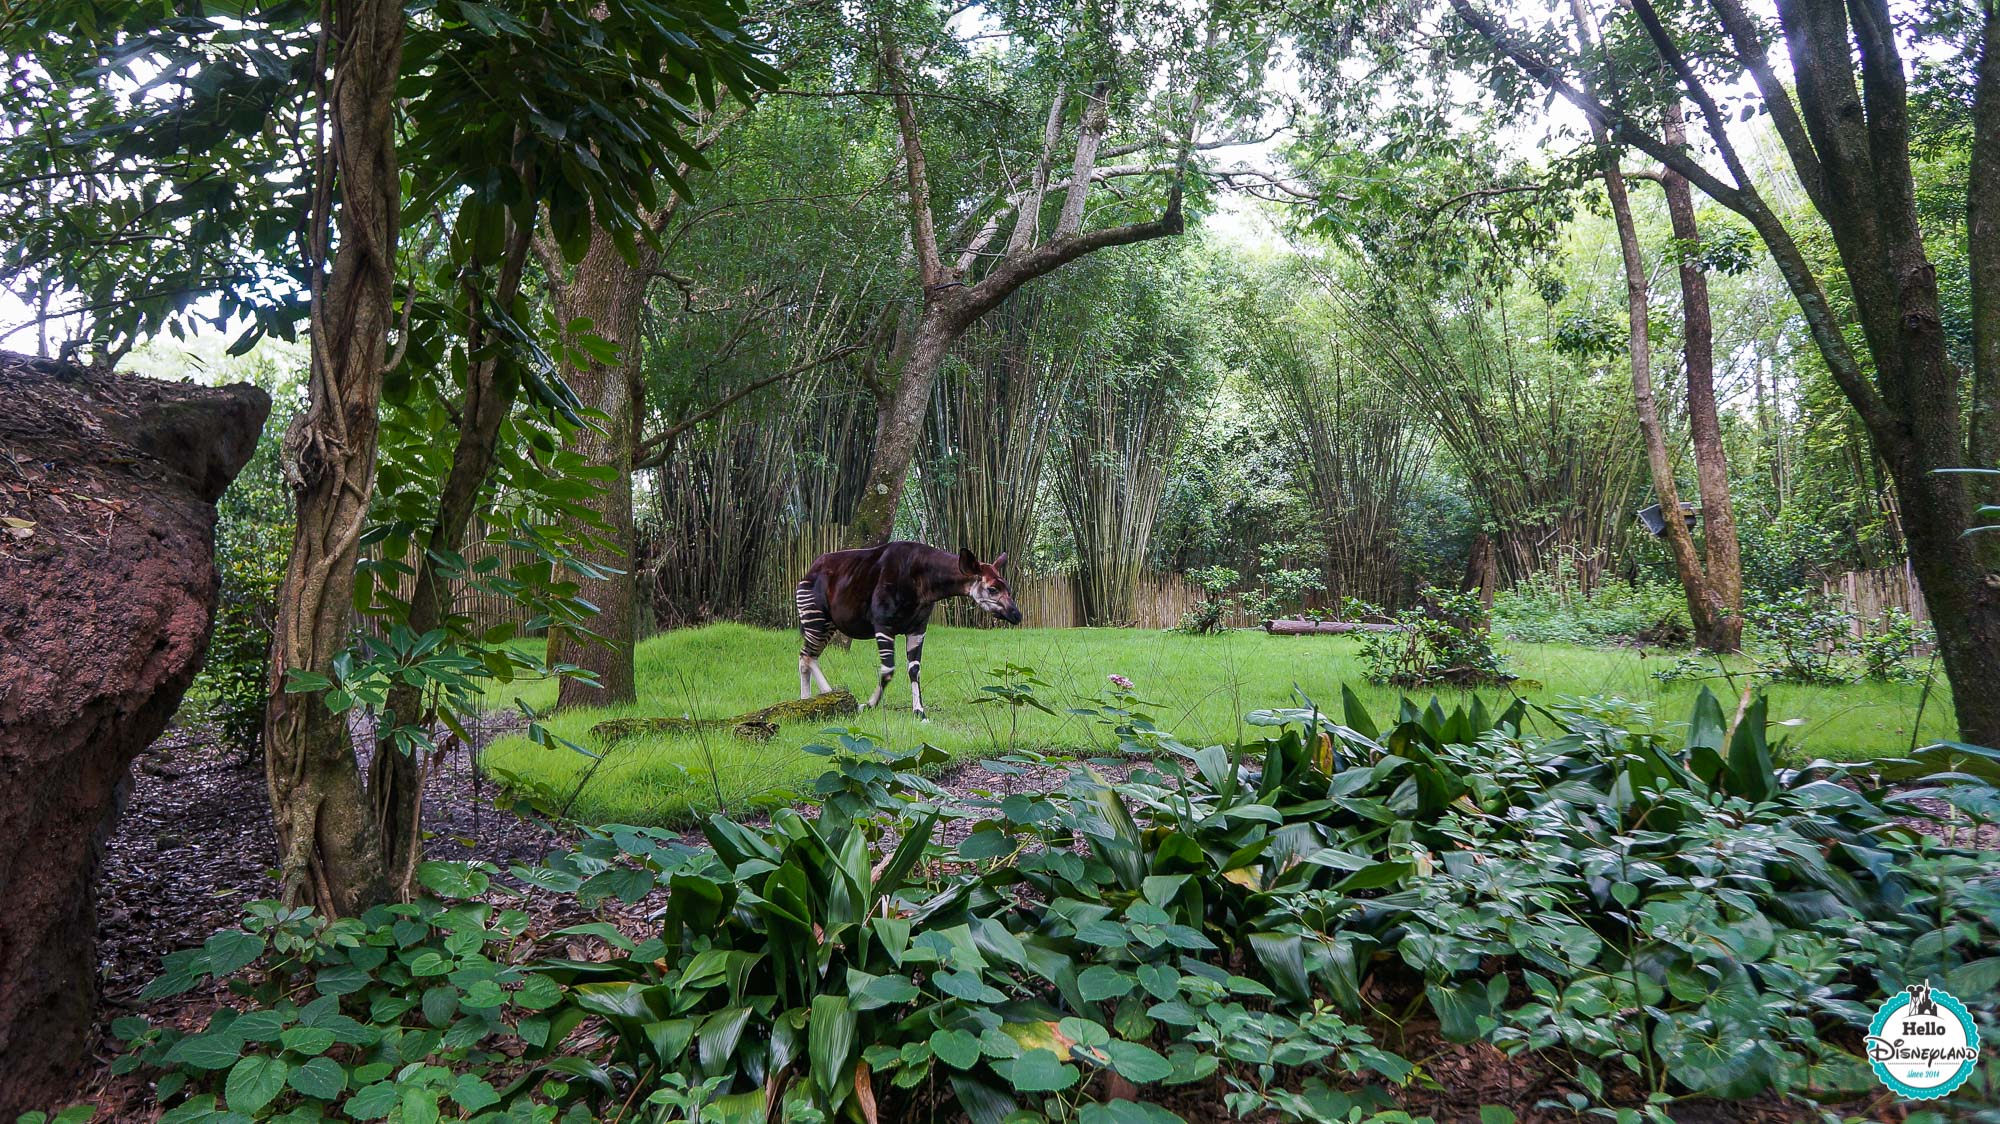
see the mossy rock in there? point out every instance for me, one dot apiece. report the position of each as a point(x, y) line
point(756, 725)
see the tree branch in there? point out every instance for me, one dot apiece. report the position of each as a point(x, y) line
point(653, 452)
point(923, 226)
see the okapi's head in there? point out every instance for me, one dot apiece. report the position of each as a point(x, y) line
point(987, 588)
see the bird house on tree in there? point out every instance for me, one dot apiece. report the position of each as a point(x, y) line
point(1656, 522)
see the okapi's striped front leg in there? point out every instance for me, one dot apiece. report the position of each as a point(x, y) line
point(885, 644)
point(814, 629)
point(913, 652)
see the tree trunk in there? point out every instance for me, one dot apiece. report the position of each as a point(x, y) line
point(1722, 629)
point(1482, 570)
point(1868, 190)
point(1703, 609)
point(607, 290)
point(329, 839)
point(900, 424)
point(1687, 566)
point(951, 304)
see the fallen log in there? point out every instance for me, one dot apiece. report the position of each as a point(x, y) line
point(756, 725)
point(1307, 628)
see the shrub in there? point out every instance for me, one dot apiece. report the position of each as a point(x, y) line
point(1886, 652)
point(1206, 618)
point(253, 540)
point(1662, 918)
point(1546, 607)
point(1448, 639)
point(1802, 637)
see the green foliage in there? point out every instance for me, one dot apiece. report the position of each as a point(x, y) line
point(1552, 606)
point(1802, 637)
point(1207, 617)
point(421, 1009)
point(1681, 911)
point(1447, 639)
point(253, 540)
point(1887, 651)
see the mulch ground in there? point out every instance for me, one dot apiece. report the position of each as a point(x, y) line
point(195, 845)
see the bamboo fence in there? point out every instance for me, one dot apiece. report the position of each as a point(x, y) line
point(1867, 594)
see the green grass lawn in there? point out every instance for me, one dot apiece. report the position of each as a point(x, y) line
point(1202, 685)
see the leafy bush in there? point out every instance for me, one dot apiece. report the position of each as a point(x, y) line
point(1656, 919)
point(253, 541)
point(1885, 653)
point(1546, 607)
point(1447, 639)
point(1206, 618)
point(1803, 636)
point(1282, 592)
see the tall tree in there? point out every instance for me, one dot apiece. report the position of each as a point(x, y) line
point(1845, 125)
point(1720, 628)
point(955, 288)
point(1712, 598)
point(328, 833)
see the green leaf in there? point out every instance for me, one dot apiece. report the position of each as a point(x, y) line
point(538, 992)
point(231, 950)
point(831, 1028)
point(959, 1049)
point(307, 1040)
point(1039, 1071)
point(216, 1049)
point(1980, 977)
point(1101, 981)
point(1125, 1112)
point(472, 1093)
point(372, 1102)
point(255, 1082)
point(1161, 981)
point(420, 1105)
point(967, 986)
point(1138, 1064)
point(320, 1077)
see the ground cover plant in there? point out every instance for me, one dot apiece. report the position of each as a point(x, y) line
point(1205, 685)
point(1271, 928)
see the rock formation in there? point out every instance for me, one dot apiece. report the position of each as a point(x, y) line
point(108, 486)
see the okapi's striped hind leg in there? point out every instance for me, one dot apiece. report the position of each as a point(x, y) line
point(913, 652)
point(885, 645)
point(814, 628)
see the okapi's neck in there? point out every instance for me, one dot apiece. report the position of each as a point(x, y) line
point(940, 576)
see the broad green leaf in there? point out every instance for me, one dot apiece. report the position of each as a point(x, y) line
point(254, 1082)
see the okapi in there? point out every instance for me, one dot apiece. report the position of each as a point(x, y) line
point(886, 591)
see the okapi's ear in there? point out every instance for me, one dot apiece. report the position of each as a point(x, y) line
point(1000, 562)
point(969, 561)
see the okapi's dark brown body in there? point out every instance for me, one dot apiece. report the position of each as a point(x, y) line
point(889, 588)
point(888, 591)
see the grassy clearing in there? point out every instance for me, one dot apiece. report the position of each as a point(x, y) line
point(1203, 686)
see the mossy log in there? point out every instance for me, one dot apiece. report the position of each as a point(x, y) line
point(756, 725)
point(1308, 628)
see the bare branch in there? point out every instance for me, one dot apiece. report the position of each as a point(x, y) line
point(654, 451)
point(923, 226)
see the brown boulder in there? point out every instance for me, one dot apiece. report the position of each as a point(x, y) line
point(108, 486)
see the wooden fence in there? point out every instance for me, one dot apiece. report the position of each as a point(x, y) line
point(1867, 594)
point(1046, 600)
